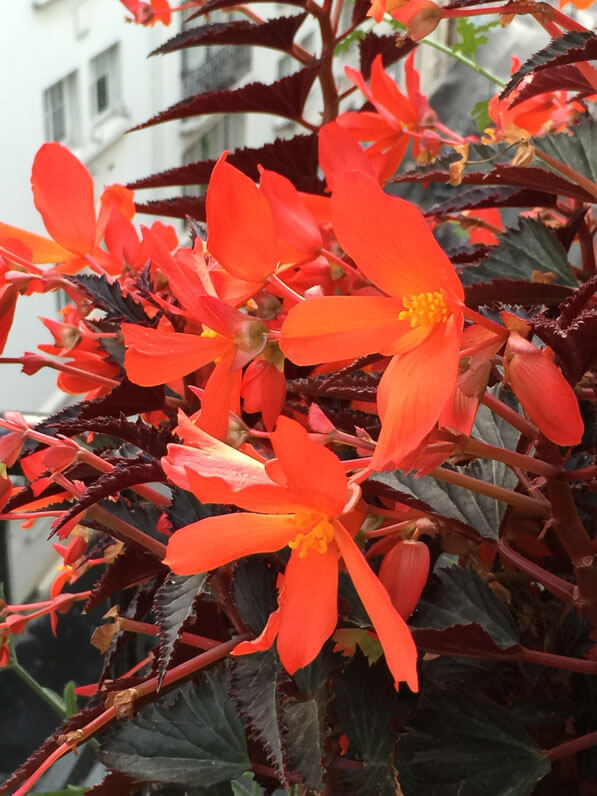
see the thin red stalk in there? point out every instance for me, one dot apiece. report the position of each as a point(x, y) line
point(558, 661)
point(127, 530)
point(351, 439)
point(588, 185)
point(585, 240)
point(570, 748)
point(476, 317)
point(342, 263)
point(49, 363)
point(144, 689)
point(536, 10)
point(581, 474)
point(510, 416)
point(572, 534)
point(557, 586)
point(285, 290)
point(191, 639)
point(523, 502)
point(388, 529)
point(30, 515)
point(512, 458)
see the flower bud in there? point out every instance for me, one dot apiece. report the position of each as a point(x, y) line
point(404, 572)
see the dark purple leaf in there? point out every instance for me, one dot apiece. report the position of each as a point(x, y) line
point(573, 335)
point(481, 197)
point(132, 566)
point(116, 782)
point(255, 682)
point(467, 255)
point(462, 640)
point(294, 158)
point(175, 604)
point(569, 48)
point(129, 473)
point(108, 297)
point(558, 78)
point(177, 207)
point(530, 177)
point(127, 398)
point(373, 45)
point(285, 97)
point(355, 385)
point(152, 440)
point(275, 33)
point(515, 291)
point(569, 231)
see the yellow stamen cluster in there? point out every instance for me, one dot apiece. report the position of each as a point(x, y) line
point(207, 332)
point(425, 309)
point(318, 533)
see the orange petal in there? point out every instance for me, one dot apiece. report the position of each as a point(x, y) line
point(221, 396)
point(546, 396)
point(8, 302)
point(218, 473)
point(308, 607)
point(242, 234)
point(389, 239)
point(264, 640)
point(387, 97)
point(393, 633)
point(43, 249)
point(333, 328)
point(311, 469)
point(364, 126)
point(294, 223)
point(339, 153)
point(63, 194)
point(215, 541)
point(413, 391)
point(155, 357)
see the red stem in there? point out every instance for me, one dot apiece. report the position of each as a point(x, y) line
point(512, 458)
point(144, 689)
point(510, 416)
point(572, 747)
point(560, 588)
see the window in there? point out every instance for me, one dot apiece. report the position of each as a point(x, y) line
point(227, 133)
point(105, 89)
point(59, 110)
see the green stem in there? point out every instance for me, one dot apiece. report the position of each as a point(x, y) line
point(50, 697)
point(443, 48)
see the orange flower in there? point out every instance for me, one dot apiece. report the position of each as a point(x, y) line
point(149, 13)
point(301, 499)
point(229, 338)
point(397, 119)
point(63, 195)
point(418, 323)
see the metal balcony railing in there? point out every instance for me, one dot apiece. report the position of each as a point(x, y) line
point(223, 68)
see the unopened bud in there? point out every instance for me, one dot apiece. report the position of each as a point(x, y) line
point(404, 572)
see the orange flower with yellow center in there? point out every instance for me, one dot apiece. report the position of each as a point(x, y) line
point(418, 322)
point(302, 499)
